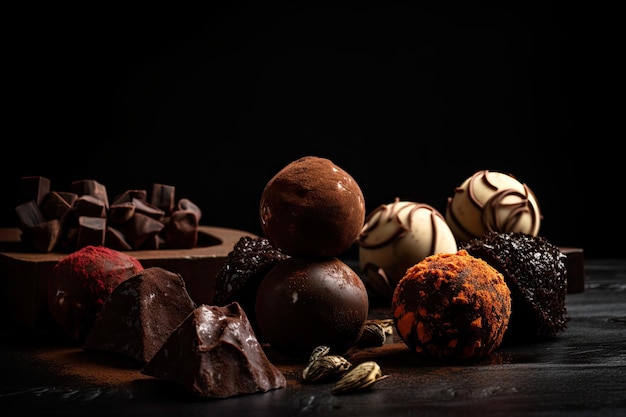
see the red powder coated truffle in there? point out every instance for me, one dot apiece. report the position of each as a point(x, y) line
point(312, 207)
point(80, 284)
point(452, 307)
point(303, 303)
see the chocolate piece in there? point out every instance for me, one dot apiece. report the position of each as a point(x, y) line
point(181, 230)
point(57, 204)
point(140, 314)
point(29, 214)
point(33, 188)
point(303, 303)
point(80, 284)
point(121, 212)
point(92, 188)
point(148, 209)
point(42, 237)
point(214, 353)
point(187, 204)
point(128, 196)
point(452, 308)
point(312, 207)
point(575, 265)
point(163, 197)
point(115, 239)
point(141, 230)
point(90, 206)
point(534, 269)
point(91, 231)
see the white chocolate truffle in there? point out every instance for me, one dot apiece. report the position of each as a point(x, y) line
point(395, 237)
point(492, 201)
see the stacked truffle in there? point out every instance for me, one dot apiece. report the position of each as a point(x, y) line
point(312, 211)
point(69, 220)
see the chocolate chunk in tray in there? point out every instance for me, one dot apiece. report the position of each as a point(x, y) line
point(33, 188)
point(92, 188)
point(88, 205)
point(128, 196)
point(181, 230)
point(57, 204)
point(84, 217)
point(91, 231)
point(163, 197)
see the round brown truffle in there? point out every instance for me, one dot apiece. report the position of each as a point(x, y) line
point(303, 303)
point(452, 307)
point(535, 271)
point(312, 207)
point(80, 284)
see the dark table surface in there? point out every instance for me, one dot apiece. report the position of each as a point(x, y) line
point(582, 372)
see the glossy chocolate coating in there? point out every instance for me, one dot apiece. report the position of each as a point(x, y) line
point(312, 207)
point(303, 303)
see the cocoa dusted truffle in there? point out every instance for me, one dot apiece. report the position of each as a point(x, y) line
point(140, 314)
point(535, 271)
point(240, 276)
point(80, 284)
point(452, 308)
point(303, 303)
point(214, 353)
point(312, 207)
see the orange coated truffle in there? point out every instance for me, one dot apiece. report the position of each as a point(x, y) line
point(452, 307)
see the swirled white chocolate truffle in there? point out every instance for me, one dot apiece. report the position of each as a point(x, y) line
point(312, 207)
point(395, 237)
point(492, 201)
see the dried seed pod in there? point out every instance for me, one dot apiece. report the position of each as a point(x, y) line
point(325, 368)
point(387, 325)
point(359, 378)
point(373, 335)
point(318, 352)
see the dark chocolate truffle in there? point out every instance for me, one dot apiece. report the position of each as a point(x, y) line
point(140, 314)
point(303, 303)
point(240, 276)
point(452, 307)
point(535, 271)
point(312, 207)
point(80, 284)
point(214, 353)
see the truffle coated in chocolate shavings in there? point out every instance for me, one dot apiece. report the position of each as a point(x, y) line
point(245, 266)
point(536, 274)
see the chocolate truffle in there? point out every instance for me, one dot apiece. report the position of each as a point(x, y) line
point(303, 303)
point(452, 308)
point(140, 314)
point(80, 284)
point(535, 271)
point(395, 237)
point(214, 353)
point(312, 207)
point(492, 201)
point(241, 273)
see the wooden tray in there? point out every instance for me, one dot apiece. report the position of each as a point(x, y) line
point(24, 276)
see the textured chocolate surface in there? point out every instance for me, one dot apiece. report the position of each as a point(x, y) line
point(240, 276)
point(303, 303)
point(140, 314)
point(312, 207)
point(214, 353)
point(534, 269)
point(452, 308)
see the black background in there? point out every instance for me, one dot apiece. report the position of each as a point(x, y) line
point(409, 99)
